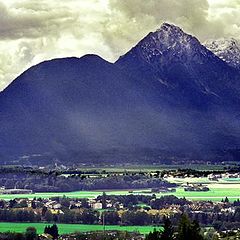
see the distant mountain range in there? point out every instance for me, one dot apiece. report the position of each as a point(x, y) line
point(169, 98)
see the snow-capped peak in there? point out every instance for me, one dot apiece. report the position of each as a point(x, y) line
point(226, 49)
point(167, 27)
point(168, 40)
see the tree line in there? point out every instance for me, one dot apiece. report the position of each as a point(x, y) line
point(42, 182)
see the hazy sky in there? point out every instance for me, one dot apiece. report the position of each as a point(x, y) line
point(35, 30)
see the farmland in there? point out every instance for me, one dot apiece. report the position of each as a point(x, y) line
point(153, 167)
point(230, 189)
point(71, 228)
point(132, 208)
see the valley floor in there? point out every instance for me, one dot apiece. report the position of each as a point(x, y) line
point(71, 228)
point(218, 191)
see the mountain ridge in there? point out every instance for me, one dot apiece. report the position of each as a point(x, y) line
point(169, 92)
point(226, 49)
point(160, 53)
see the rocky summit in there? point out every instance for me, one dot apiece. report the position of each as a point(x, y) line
point(226, 49)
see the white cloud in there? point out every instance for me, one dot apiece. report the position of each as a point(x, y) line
point(226, 16)
point(35, 30)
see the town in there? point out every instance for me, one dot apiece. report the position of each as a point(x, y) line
point(111, 201)
point(137, 210)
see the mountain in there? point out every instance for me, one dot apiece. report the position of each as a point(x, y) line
point(67, 104)
point(168, 98)
point(179, 66)
point(226, 49)
point(202, 89)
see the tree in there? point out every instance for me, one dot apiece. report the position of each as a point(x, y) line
point(12, 203)
point(33, 205)
point(44, 210)
point(85, 203)
point(111, 217)
point(184, 228)
point(48, 216)
point(67, 217)
point(47, 229)
point(188, 230)
point(55, 231)
point(226, 200)
point(196, 231)
point(22, 204)
point(2, 204)
point(65, 202)
point(31, 233)
point(52, 230)
point(155, 235)
point(89, 216)
point(104, 200)
point(167, 233)
point(237, 214)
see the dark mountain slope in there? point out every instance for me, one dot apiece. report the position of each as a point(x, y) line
point(183, 70)
point(82, 105)
point(168, 97)
point(64, 102)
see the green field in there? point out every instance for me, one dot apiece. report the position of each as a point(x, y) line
point(71, 228)
point(218, 190)
point(203, 180)
point(216, 193)
point(157, 167)
point(226, 187)
point(80, 194)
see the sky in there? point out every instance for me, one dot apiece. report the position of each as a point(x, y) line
point(32, 31)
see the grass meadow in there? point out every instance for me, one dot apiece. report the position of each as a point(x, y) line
point(71, 228)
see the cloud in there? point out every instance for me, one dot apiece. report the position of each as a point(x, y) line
point(131, 20)
point(26, 22)
point(226, 18)
point(35, 30)
point(191, 13)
